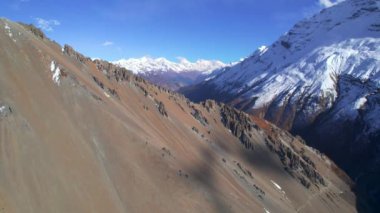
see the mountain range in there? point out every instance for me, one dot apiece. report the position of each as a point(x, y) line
point(320, 80)
point(172, 75)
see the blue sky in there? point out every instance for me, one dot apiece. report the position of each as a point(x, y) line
point(225, 30)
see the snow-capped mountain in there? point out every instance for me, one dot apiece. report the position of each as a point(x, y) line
point(304, 65)
point(172, 75)
point(148, 64)
point(302, 77)
point(306, 61)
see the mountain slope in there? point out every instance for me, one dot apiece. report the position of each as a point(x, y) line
point(301, 84)
point(306, 61)
point(78, 135)
point(170, 74)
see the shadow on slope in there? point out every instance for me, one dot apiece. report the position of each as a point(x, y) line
point(204, 174)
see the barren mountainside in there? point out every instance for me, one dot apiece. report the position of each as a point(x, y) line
point(78, 135)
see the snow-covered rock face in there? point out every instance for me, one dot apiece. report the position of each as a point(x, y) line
point(357, 100)
point(302, 67)
point(147, 64)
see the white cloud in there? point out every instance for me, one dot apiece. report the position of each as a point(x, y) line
point(47, 25)
point(329, 3)
point(107, 43)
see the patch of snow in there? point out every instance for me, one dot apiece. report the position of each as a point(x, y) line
point(209, 78)
point(52, 66)
point(263, 49)
point(266, 210)
point(56, 72)
point(106, 94)
point(4, 111)
point(57, 75)
point(8, 30)
point(276, 185)
point(360, 103)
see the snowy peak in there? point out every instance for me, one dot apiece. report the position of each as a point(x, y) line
point(148, 65)
point(343, 39)
point(299, 72)
point(351, 19)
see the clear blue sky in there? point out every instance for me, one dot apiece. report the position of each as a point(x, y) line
point(226, 30)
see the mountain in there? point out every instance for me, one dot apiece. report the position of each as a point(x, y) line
point(320, 80)
point(78, 135)
point(171, 75)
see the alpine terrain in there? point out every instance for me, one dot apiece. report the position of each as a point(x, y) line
point(170, 74)
point(78, 135)
point(320, 80)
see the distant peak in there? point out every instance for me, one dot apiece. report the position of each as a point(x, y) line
point(149, 64)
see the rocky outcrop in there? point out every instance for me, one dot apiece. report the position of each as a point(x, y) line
point(209, 105)
point(69, 51)
point(113, 92)
point(113, 72)
point(37, 32)
point(98, 82)
point(161, 108)
point(295, 165)
point(197, 114)
point(238, 123)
